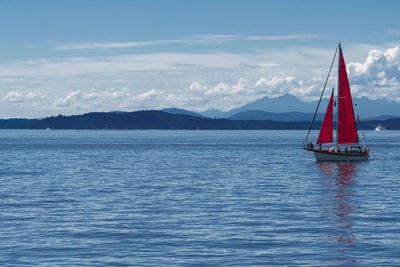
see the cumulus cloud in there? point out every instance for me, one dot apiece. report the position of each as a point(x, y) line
point(94, 100)
point(277, 82)
point(233, 95)
point(379, 75)
point(376, 62)
point(224, 89)
point(70, 100)
point(227, 96)
point(278, 85)
point(13, 97)
point(194, 81)
point(18, 97)
point(111, 99)
point(149, 95)
point(221, 89)
point(196, 88)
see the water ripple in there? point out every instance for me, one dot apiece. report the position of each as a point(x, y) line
point(178, 198)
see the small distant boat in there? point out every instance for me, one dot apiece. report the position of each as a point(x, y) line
point(347, 147)
point(380, 128)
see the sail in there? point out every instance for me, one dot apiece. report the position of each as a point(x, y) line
point(326, 132)
point(347, 129)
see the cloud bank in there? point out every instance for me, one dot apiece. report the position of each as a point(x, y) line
point(195, 81)
point(379, 75)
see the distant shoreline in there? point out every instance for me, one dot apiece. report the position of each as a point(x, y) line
point(160, 120)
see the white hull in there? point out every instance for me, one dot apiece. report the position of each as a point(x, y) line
point(332, 156)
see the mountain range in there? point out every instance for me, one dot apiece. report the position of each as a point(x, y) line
point(155, 119)
point(290, 108)
point(291, 113)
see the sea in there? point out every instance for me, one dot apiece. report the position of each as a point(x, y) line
point(194, 198)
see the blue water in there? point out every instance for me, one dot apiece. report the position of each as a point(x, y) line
point(188, 198)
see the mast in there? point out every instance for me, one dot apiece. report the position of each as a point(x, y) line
point(338, 98)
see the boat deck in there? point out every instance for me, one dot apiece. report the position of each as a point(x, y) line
point(339, 155)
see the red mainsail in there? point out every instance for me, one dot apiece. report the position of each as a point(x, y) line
point(347, 132)
point(326, 132)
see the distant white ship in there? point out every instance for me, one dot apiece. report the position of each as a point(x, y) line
point(380, 128)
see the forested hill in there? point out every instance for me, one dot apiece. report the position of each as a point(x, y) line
point(152, 119)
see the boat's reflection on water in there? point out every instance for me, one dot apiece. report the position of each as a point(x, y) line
point(340, 187)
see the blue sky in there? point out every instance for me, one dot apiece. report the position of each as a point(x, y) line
point(78, 56)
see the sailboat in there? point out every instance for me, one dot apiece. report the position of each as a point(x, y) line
point(347, 146)
point(380, 128)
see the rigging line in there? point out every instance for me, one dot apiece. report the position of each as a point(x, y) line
point(322, 94)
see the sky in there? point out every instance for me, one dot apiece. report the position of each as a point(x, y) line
point(73, 57)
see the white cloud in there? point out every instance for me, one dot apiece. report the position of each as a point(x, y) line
point(379, 75)
point(94, 100)
point(197, 88)
point(13, 97)
point(224, 89)
point(124, 63)
point(18, 97)
point(283, 37)
point(30, 95)
point(83, 46)
point(221, 89)
point(150, 95)
point(195, 81)
point(376, 62)
point(277, 85)
point(117, 94)
point(276, 82)
point(111, 99)
point(227, 96)
point(240, 87)
point(70, 100)
point(152, 99)
point(192, 39)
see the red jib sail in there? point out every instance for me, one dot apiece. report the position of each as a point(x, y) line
point(347, 132)
point(326, 132)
